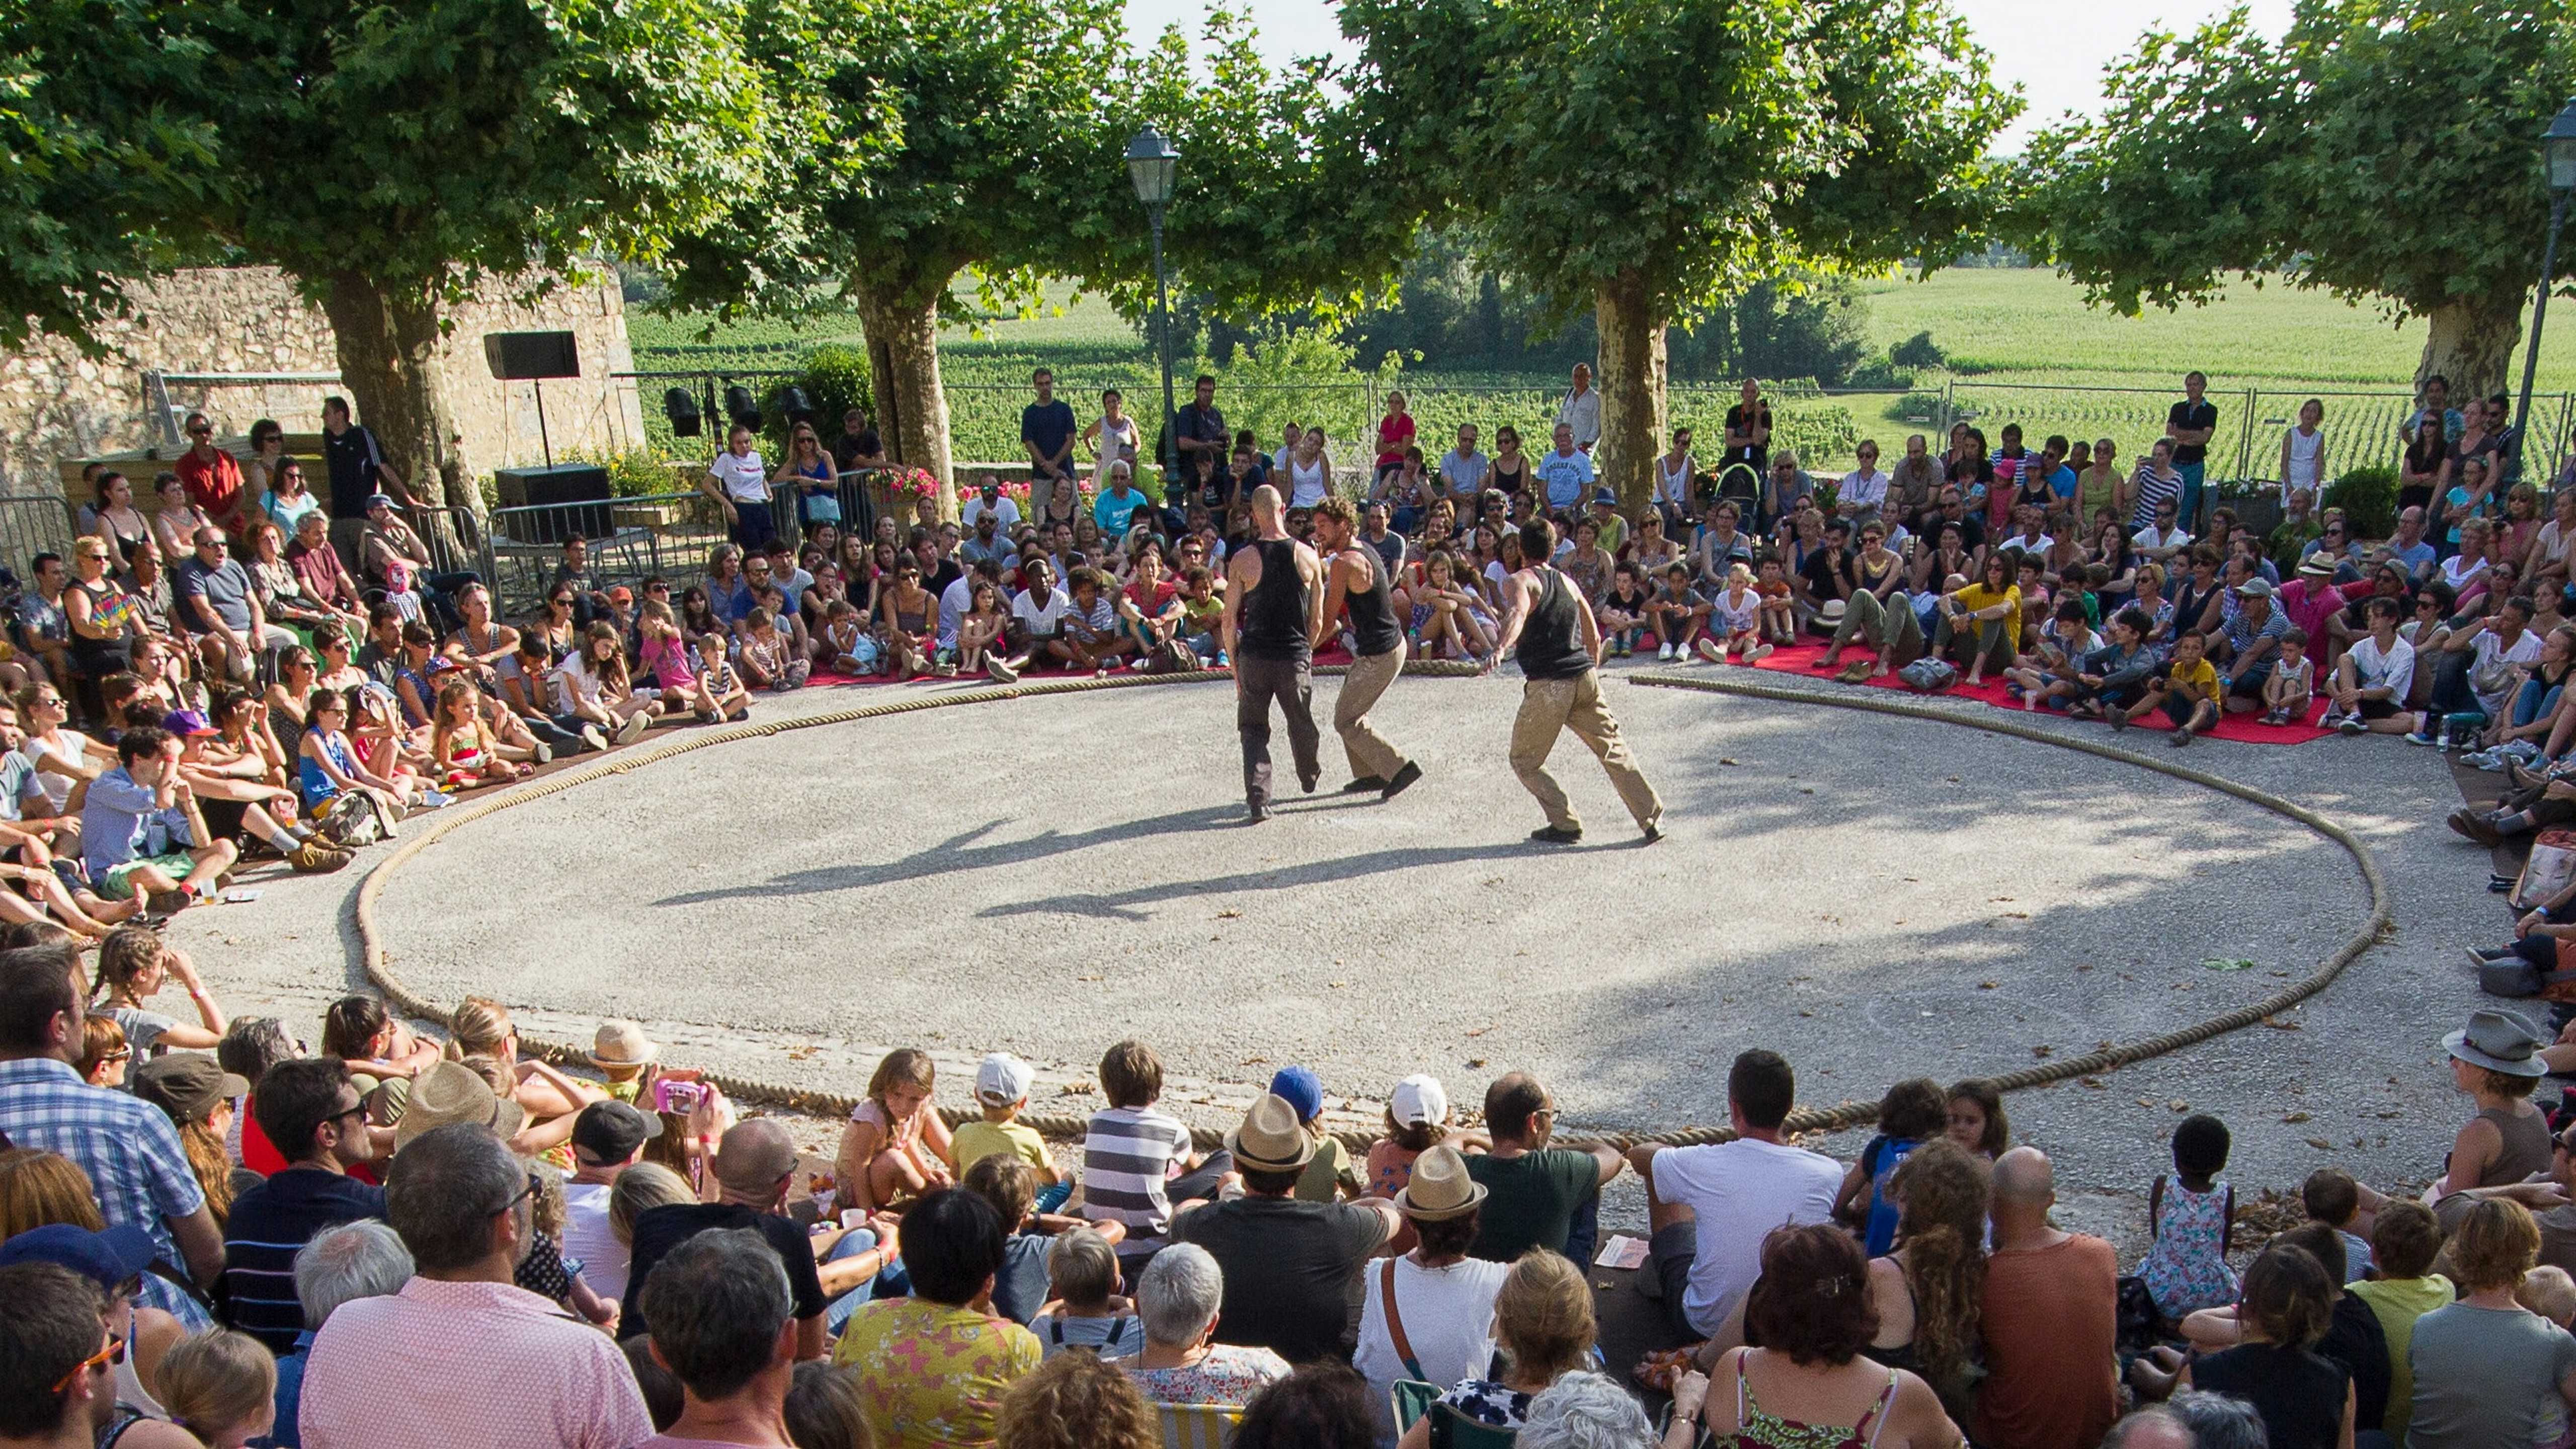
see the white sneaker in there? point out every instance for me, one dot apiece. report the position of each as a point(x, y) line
point(633, 729)
point(1664, 652)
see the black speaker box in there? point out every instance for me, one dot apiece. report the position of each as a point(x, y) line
point(584, 483)
point(522, 356)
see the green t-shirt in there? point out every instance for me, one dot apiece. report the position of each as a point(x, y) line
point(1321, 1181)
point(2398, 1302)
point(1532, 1201)
point(975, 1141)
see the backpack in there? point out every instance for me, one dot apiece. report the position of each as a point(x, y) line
point(2550, 869)
point(352, 819)
point(1929, 675)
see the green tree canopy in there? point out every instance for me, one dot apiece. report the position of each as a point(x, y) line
point(2383, 150)
point(1649, 158)
point(394, 158)
point(95, 155)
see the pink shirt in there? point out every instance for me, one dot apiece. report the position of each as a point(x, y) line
point(442, 1364)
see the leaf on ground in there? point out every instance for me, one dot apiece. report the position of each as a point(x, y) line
point(1229, 915)
point(2016, 915)
point(2278, 1023)
point(1804, 1012)
point(1089, 978)
point(1988, 985)
point(2096, 1083)
point(2294, 1118)
point(1480, 1030)
point(2228, 963)
point(2145, 1102)
point(2320, 1144)
point(2179, 1105)
point(2043, 1052)
point(1254, 1062)
point(1728, 760)
point(1475, 1063)
point(1337, 985)
point(1076, 1089)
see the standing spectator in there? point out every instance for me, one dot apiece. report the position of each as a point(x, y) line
point(2303, 452)
point(309, 1109)
point(738, 481)
point(1748, 431)
point(1542, 1196)
point(358, 472)
point(1565, 474)
point(2436, 404)
point(1708, 1207)
point(858, 446)
point(213, 477)
point(460, 1344)
point(2050, 1320)
point(2486, 1369)
point(352, 1261)
point(128, 1147)
point(934, 1366)
point(1046, 434)
point(1580, 413)
point(1289, 1265)
point(724, 1325)
point(2189, 424)
point(754, 1165)
point(1199, 431)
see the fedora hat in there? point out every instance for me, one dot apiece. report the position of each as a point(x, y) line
point(1440, 1189)
point(1831, 613)
point(455, 1092)
point(2500, 1041)
point(1271, 1138)
point(622, 1043)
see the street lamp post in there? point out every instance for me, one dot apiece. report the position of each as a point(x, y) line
point(2558, 144)
point(1152, 165)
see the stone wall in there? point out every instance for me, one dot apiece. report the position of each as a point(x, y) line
point(56, 404)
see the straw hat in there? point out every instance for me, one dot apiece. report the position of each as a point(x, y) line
point(455, 1092)
point(1271, 1138)
point(1440, 1189)
point(622, 1043)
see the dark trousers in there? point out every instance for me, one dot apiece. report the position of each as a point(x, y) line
point(2451, 693)
point(1292, 683)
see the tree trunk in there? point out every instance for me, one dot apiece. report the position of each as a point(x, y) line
point(388, 342)
point(2471, 345)
point(903, 369)
point(1633, 374)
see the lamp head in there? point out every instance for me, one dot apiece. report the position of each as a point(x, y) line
point(1152, 165)
point(2559, 144)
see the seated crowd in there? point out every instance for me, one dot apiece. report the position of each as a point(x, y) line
point(213, 1235)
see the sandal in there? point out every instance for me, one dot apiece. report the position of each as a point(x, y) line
point(1661, 1370)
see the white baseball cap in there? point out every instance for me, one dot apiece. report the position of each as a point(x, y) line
point(1001, 1079)
point(1419, 1102)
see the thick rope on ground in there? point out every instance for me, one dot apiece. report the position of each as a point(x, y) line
point(428, 831)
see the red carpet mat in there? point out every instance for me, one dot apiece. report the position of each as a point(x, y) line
point(1330, 658)
point(1801, 658)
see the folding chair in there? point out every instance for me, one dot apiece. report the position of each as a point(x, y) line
point(1198, 1426)
point(1451, 1429)
point(1410, 1399)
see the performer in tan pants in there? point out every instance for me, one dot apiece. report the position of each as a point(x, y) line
point(1356, 581)
point(1552, 634)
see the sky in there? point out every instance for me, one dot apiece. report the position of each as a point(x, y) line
point(2054, 49)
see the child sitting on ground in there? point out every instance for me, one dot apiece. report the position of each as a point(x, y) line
point(1201, 614)
point(2191, 1212)
point(1323, 1178)
point(1680, 614)
point(460, 751)
point(1086, 1310)
point(2186, 689)
point(2334, 1199)
point(1735, 621)
point(718, 685)
point(1002, 1093)
point(895, 1147)
point(2291, 688)
point(847, 647)
point(1091, 625)
point(982, 634)
point(767, 661)
point(1020, 1284)
point(1623, 610)
point(2549, 1292)
point(1779, 605)
point(1912, 1113)
point(221, 1386)
point(2404, 1240)
point(1137, 1160)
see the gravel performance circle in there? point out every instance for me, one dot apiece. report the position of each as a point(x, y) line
point(1872, 897)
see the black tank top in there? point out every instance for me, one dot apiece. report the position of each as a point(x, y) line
point(1275, 612)
point(1551, 645)
point(1372, 613)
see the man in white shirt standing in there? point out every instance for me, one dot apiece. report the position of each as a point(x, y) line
point(1581, 409)
point(739, 483)
point(1709, 1207)
point(1863, 489)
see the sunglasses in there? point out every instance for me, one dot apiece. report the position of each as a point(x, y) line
point(114, 1353)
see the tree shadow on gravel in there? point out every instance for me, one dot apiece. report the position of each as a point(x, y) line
point(968, 850)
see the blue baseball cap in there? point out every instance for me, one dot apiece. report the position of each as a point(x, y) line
point(1605, 499)
point(1300, 1088)
point(111, 1259)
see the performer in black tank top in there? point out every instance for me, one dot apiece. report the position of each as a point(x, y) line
point(1550, 631)
point(1273, 613)
point(1357, 585)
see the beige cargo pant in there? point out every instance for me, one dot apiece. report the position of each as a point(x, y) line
point(1551, 706)
point(1363, 684)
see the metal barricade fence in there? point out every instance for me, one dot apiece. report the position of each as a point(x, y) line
point(665, 535)
point(31, 524)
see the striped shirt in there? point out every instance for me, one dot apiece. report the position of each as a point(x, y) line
point(268, 1225)
point(137, 1170)
point(1129, 1154)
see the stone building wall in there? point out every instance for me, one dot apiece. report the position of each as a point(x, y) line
point(56, 404)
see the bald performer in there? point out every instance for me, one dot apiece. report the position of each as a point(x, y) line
point(1274, 608)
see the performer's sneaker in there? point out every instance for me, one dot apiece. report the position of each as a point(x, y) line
point(1555, 835)
point(1654, 831)
point(1363, 784)
point(1308, 782)
point(1255, 814)
point(1406, 776)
